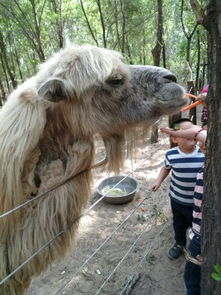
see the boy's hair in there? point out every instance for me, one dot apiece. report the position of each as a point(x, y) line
point(177, 122)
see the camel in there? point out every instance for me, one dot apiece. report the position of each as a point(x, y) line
point(47, 137)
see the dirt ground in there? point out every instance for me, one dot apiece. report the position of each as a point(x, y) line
point(134, 259)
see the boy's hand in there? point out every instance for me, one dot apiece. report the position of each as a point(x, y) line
point(202, 98)
point(155, 186)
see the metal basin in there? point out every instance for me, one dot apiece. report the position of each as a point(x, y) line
point(120, 194)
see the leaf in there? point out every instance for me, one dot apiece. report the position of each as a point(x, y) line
point(140, 217)
point(216, 276)
point(217, 268)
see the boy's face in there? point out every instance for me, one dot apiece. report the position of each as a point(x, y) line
point(185, 145)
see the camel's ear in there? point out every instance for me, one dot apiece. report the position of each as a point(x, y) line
point(54, 90)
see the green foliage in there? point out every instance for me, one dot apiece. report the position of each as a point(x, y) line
point(151, 258)
point(217, 274)
point(159, 214)
point(33, 30)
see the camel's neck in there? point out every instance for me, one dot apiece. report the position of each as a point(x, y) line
point(61, 132)
point(61, 148)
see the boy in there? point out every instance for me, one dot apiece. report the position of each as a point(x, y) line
point(184, 160)
point(192, 273)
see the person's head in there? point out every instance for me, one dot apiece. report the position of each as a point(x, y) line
point(203, 145)
point(205, 89)
point(185, 145)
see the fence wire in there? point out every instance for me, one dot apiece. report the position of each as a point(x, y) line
point(65, 230)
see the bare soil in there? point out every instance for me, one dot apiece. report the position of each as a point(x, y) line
point(134, 259)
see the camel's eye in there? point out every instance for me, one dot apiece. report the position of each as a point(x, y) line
point(116, 80)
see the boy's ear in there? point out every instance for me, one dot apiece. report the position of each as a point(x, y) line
point(54, 90)
point(173, 139)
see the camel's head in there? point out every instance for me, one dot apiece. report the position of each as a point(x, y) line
point(108, 96)
point(114, 95)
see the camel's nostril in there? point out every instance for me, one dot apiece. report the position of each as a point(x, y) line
point(171, 78)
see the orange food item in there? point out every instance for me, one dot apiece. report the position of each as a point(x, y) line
point(193, 105)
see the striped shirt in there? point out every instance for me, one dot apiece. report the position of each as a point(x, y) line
point(184, 167)
point(198, 196)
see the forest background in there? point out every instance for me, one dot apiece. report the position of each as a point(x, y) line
point(32, 30)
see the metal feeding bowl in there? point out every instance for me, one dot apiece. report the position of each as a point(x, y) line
point(120, 194)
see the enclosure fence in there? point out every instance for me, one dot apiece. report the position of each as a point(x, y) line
point(135, 209)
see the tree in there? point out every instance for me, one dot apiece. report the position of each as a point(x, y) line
point(59, 20)
point(34, 29)
point(28, 20)
point(188, 36)
point(88, 23)
point(5, 63)
point(156, 52)
point(211, 238)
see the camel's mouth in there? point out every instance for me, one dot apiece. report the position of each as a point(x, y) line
point(172, 96)
point(174, 105)
point(177, 101)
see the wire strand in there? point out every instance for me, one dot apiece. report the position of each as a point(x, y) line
point(102, 245)
point(147, 251)
point(95, 252)
point(54, 187)
point(68, 227)
point(65, 230)
point(123, 258)
point(41, 195)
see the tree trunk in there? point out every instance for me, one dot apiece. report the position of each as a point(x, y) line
point(88, 23)
point(117, 25)
point(205, 64)
point(192, 112)
point(4, 60)
point(156, 52)
point(164, 56)
point(123, 25)
point(2, 93)
point(5, 73)
point(188, 36)
point(211, 233)
point(57, 7)
point(102, 23)
point(198, 62)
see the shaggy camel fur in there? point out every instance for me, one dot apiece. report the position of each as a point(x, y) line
point(46, 136)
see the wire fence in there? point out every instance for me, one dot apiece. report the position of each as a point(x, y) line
point(133, 211)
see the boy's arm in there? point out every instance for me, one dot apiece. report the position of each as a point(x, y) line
point(194, 132)
point(164, 172)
